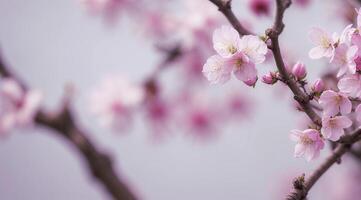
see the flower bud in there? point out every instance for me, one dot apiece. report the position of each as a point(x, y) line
point(260, 7)
point(299, 71)
point(269, 78)
point(251, 82)
point(318, 86)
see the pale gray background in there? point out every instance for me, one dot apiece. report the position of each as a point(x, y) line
point(50, 43)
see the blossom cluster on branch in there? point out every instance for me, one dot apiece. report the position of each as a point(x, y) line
point(186, 44)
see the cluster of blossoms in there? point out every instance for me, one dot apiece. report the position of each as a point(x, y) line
point(340, 106)
point(237, 55)
point(189, 31)
point(17, 107)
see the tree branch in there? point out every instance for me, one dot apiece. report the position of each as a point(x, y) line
point(63, 123)
point(273, 33)
point(225, 8)
point(300, 193)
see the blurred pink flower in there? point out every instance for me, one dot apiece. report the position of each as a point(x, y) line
point(260, 7)
point(17, 107)
point(332, 127)
point(113, 100)
point(309, 143)
point(333, 103)
point(350, 85)
point(343, 58)
point(243, 68)
point(110, 9)
point(158, 115)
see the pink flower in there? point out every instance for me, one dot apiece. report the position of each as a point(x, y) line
point(243, 68)
point(113, 100)
point(332, 127)
point(254, 48)
point(17, 107)
point(333, 103)
point(158, 113)
point(324, 44)
point(260, 7)
point(299, 71)
point(226, 41)
point(351, 85)
point(318, 86)
point(109, 8)
point(235, 55)
point(309, 143)
point(216, 71)
point(343, 58)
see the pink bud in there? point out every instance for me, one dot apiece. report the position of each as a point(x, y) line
point(318, 86)
point(251, 82)
point(260, 7)
point(269, 78)
point(299, 71)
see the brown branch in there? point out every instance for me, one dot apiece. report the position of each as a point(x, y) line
point(63, 123)
point(300, 193)
point(225, 8)
point(273, 33)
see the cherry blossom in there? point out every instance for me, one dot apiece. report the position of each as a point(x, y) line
point(226, 41)
point(17, 107)
point(243, 68)
point(113, 100)
point(332, 127)
point(237, 55)
point(309, 143)
point(351, 85)
point(343, 58)
point(254, 48)
point(323, 41)
point(216, 70)
point(333, 103)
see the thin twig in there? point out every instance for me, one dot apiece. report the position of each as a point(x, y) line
point(273, 33)
point(62, 123)
point(225, 8)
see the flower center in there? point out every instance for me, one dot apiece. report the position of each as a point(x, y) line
point(325, 43)
point(306, 140)
point(231, 49)
point(238, 63)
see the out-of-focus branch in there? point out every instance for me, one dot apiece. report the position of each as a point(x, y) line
point(63, 123)
point(301, 191)
point(224, 6)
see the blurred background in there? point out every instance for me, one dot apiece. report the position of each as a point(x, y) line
point(53, 43)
